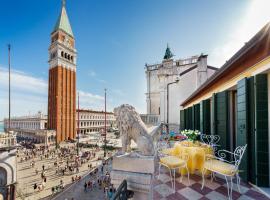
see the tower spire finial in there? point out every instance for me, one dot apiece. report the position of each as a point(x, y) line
point(63, 3)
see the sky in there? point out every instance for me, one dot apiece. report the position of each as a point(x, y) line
point(114, 40)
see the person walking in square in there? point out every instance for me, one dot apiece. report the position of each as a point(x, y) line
point(85, 187)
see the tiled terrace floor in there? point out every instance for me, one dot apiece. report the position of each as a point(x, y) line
point(215, 190)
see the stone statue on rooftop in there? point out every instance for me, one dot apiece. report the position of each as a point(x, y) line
point(132, 127)
point(168, 53)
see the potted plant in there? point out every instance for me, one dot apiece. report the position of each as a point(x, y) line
point(192, 135)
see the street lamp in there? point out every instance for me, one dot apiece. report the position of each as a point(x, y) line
point(105, 141)
point(176, 81)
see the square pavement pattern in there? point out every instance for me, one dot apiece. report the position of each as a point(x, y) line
point(215, 190)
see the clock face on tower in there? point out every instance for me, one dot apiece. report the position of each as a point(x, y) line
point(67, 42)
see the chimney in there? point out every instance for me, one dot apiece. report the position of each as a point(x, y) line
point(202, 70)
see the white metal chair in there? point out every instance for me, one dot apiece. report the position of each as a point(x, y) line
point(211, 140)
point(226, 164)
point(171, 162)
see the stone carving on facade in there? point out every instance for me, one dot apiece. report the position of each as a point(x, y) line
point(131, 127)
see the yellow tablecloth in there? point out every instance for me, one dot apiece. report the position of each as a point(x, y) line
point(196, 152)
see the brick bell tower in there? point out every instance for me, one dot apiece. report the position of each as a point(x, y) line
point(62, 79)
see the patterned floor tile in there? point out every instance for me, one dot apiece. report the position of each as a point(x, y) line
point(178, 185)
point(157, 196)
point(243, 189)
point(256, 195)
point(164, 190)
point(185, 181)
point(176, 196)
point(190, 194)
point(210, 184)
point(245, 197)
point(204, 198)
point(164, 178)
point(223, 190)
point(197, 187)
point(196, 177)
point(216, 196)
point(216, 190)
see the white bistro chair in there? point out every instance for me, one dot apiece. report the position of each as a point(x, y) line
point(211, 140)
point(226, 164)
point(172, 163)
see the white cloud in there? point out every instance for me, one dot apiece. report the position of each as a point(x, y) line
point(92, 73)
point(21, 81)
point(255, 17)
point(29, 95)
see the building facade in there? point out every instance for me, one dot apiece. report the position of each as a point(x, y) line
point(31, 128)
point(172, 81)
point(94, 121)
point(34, 122)
point(62, 79)
point(234, 104)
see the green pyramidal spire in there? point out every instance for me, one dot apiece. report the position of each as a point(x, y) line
point(63, 21)
point(168, 53)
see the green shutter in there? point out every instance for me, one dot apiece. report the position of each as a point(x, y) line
point(213, 114)
point(205, 117)
point(262, 141)
point(221, 119)
point(251, 150)
point(188, 118)
point(242, 124)
point(196, 109)
point(182, 120)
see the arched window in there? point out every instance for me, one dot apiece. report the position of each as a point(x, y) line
point(65, 55)
point(71, 58)
point(68, 57)
point(62, 54)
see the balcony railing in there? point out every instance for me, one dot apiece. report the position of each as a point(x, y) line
point(150, 119)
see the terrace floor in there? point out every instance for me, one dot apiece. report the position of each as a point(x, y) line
point(216, 190)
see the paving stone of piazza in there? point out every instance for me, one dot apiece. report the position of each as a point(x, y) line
point(215, 190)
point(27, 177)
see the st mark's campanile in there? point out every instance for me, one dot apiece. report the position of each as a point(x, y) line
point(62, 79)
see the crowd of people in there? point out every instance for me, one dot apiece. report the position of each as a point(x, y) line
point(65, 162)
point(100, 179)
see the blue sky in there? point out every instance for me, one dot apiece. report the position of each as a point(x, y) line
point(114, 40)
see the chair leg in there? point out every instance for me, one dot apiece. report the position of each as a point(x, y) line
point(188, 175)
point(228, 188)
point(171, 177)
point(238, 182)
point(174, 180)
point(203, 171)
point(231, 186)
point(159, 170)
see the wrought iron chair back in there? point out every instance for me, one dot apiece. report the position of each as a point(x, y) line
point(161, 145)
point(233, 157)
point(211, 140)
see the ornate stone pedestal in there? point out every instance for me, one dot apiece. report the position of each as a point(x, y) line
point(138, 171)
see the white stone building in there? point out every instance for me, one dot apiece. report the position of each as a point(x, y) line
point(33, 122)
point(171, 82)
point(94, 121)
point(31, 128)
